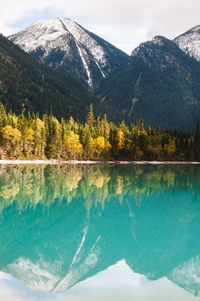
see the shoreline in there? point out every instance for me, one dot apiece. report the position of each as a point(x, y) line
point(76, 162)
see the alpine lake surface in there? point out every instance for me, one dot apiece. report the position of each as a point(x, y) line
point(99, 232)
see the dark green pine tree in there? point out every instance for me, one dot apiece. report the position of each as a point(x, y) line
point(197, 143)
point(90, 120)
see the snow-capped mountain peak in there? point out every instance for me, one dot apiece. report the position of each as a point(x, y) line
point(67, 46)
point(189, 42)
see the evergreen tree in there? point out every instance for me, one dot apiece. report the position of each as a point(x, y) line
point(90, 120)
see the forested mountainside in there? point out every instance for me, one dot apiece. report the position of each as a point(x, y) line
point(26, 85)
point(160, 83)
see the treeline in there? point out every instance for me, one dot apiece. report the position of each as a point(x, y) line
point(32, 137)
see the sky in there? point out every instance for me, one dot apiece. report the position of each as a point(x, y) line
point(124, 23)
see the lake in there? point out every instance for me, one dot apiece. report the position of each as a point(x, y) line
point(100, 232)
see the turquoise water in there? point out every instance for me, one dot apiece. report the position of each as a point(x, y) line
point(100, 232)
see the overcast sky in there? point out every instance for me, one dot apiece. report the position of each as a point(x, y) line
point(124, 23)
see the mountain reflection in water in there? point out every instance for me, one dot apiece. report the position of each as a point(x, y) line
point(62, 224)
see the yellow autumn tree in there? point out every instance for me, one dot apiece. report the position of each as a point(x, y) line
point(27, 142)
point(120, 139)
point(73, 146)
point(11, 139)
point(101, 147)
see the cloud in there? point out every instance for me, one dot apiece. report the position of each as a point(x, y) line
point(125, 23)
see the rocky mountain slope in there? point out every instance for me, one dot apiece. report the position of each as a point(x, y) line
point(160, 83)
point(28, 85)
point(189, 42)
point(64, 45)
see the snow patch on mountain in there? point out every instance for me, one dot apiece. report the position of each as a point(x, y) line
point(63, 44)
point(189, 42)
point(85, 65)
point(102, 73)
point(42, 34)
point(85, 39)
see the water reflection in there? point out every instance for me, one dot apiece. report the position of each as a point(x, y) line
point(61, 225)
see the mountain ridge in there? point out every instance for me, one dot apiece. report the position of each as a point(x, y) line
point(65, 45)
point(161, 80)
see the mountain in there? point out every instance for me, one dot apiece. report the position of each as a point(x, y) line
point(160, 83)
point(189, 42)
point(65, 45)
point(26, 84)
